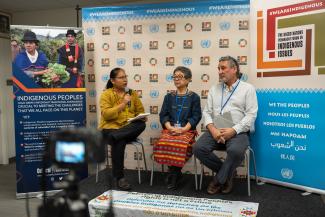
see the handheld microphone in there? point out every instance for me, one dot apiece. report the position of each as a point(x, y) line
point(128, 91)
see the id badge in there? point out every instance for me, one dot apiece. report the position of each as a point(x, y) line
point(177, 125)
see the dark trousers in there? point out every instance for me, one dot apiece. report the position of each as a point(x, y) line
point(117, 139)
point(235, 148)
point(175, 170)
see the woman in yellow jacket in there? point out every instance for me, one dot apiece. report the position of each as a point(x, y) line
point(118, 103)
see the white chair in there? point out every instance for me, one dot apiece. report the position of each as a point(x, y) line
point(195, 170)
point(136, 143)
point(247, 160)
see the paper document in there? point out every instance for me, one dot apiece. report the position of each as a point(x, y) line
point(140, 116)
point(223, 121)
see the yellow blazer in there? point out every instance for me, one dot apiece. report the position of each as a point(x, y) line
point(110, 117)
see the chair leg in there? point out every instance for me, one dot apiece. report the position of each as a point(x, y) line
point(254, 162)
point(152, 168)
point(248, 172)
point(195, 175)
point(136, 143)
point(144, 157)
point(97, 171)
point(139, 141)
point(201, 176)
point(107, 163)
point(138, 162)
point(107, 160)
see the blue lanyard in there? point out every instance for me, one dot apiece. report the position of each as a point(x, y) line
point(232, 92)
point(179, 111)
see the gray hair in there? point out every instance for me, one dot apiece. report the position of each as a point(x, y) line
point(232, 63)
point(186, 71)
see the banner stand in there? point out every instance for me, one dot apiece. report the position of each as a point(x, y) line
point(46, 98)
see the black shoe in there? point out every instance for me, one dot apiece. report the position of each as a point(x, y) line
point(174, 181)
point(123, 184)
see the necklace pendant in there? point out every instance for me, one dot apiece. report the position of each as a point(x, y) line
point(70, 58)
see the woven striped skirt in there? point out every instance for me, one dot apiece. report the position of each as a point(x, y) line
point(174, 150)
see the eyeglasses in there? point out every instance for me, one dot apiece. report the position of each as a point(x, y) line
point(178, 77)
point(122, 77)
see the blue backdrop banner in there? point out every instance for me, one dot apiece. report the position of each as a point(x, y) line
point(289, 132)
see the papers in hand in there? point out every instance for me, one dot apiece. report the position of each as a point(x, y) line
point(140, 116)
point(223, 121)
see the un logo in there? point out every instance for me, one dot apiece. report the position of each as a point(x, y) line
point(137, 45)
point(120, 61)
point(154, 93)
point(154, 126)
point(287, 173)
point(169, 77)
point(105, 77)
point(90, 31)
point(205, 43)
point(224, 26)
point(154, 28)
point(92, 93)
point(187, 61)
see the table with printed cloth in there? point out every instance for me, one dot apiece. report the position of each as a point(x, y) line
point(135, 204)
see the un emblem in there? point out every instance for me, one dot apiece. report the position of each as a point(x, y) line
point(137, 78)
point(121, 30)
point(187, 61)
point(169, 77)
point(154, 93)
point(153, 28)
point(154, 126)
point(242, 42)
point(205, 43)
point(137, 45)
point(287, 173)
point(224, 26)
point(120, 61)
point(90, 31)
point(90, 62)
point(92, 93)
point(105, 77)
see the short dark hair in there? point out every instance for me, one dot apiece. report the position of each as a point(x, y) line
point(186, 71)
point(232, 63)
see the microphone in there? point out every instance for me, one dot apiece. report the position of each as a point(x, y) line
point(128, 91)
